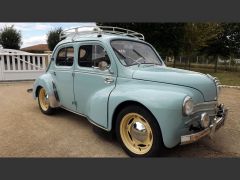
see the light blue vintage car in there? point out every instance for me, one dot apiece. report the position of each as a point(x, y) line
point(119, 83)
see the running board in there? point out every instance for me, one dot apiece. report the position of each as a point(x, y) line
point(91, 121)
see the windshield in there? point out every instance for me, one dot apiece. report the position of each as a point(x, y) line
point(132, 52)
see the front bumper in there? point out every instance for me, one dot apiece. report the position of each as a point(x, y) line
point(218, 122)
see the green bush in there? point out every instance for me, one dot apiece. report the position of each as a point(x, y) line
point(10, 38)
point(53, 38)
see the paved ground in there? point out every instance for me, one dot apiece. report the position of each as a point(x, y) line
point(26, 132)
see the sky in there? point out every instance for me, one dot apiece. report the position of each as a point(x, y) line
point(35, 33)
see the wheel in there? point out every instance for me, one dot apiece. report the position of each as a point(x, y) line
point(138, 132)
point(44, 103)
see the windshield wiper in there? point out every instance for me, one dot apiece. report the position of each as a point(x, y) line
point(141, 57)
point(134, 50)
point(124, 57)
point(119, 53)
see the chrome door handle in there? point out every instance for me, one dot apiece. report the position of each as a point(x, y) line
point(108, 80)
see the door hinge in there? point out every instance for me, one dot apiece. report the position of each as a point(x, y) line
point(73, 74)
point(74, 103)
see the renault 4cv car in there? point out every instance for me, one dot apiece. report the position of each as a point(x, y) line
point(119, 83)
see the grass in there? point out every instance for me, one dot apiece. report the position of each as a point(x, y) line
point(226, 77)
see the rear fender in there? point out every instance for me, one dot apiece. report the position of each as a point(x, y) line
point(47, 83)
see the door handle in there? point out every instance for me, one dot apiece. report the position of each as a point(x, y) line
point(108, 80)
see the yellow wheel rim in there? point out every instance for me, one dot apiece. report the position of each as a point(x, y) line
point(43, 99)
point(136, 133)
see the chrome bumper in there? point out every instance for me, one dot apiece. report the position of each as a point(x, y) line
point(218, 122)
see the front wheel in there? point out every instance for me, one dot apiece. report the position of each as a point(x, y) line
point(43, 102)
point(138, 132)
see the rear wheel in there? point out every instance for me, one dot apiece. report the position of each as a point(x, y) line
point(138, 132)
point(43, 102)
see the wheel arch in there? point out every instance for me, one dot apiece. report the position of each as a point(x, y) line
point(37, 90)
point(47, 83)
point(124, 104)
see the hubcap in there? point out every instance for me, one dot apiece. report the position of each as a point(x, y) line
point(136, 133)
point(43, 99)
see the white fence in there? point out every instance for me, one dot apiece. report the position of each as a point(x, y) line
point(19, 65)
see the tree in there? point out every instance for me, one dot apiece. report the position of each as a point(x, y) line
point(227, 43)
point(231, 38)
point(53, 38)
point(197, 36)
point(165, 37)
point(10, 38)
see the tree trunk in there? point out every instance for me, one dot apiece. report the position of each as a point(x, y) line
point(189, 62)
point(216, 63)
point(174, 62)
point(229, 64)
point(185, 59)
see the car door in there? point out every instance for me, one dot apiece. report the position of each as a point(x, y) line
point(92, 85)
point(63, 76)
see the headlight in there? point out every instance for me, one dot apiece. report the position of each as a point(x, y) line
point(187, 106)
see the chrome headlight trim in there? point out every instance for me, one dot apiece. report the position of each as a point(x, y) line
point(188, 106)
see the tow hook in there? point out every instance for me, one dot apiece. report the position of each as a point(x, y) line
point(30, 90)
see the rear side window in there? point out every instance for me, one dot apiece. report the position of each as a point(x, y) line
point(65, 57)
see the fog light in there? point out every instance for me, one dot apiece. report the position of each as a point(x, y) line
point(205, 121)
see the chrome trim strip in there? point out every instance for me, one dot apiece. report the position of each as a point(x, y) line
point(199, 110)
point(207, 103)
point(83, 115)
point(217, 83)
point(205, 106)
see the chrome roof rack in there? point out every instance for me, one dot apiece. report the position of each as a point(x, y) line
point(83, 30)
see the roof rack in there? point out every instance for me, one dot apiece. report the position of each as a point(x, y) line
point(83, 30)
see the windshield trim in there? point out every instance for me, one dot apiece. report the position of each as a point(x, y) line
point(161, 63)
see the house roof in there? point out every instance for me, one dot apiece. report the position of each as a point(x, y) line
point(38, 47)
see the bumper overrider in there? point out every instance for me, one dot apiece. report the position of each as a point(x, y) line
point(217, 123)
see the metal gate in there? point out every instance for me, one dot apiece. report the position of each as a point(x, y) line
point(19, 65)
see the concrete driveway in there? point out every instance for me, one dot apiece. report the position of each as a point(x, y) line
point(26, 132)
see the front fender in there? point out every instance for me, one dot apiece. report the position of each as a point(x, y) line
point(162, 100)
point(47, 83)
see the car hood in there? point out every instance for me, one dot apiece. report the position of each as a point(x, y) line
point(180, 77)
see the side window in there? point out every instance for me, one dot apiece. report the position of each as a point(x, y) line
point(92, 55)
point(65, 57)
